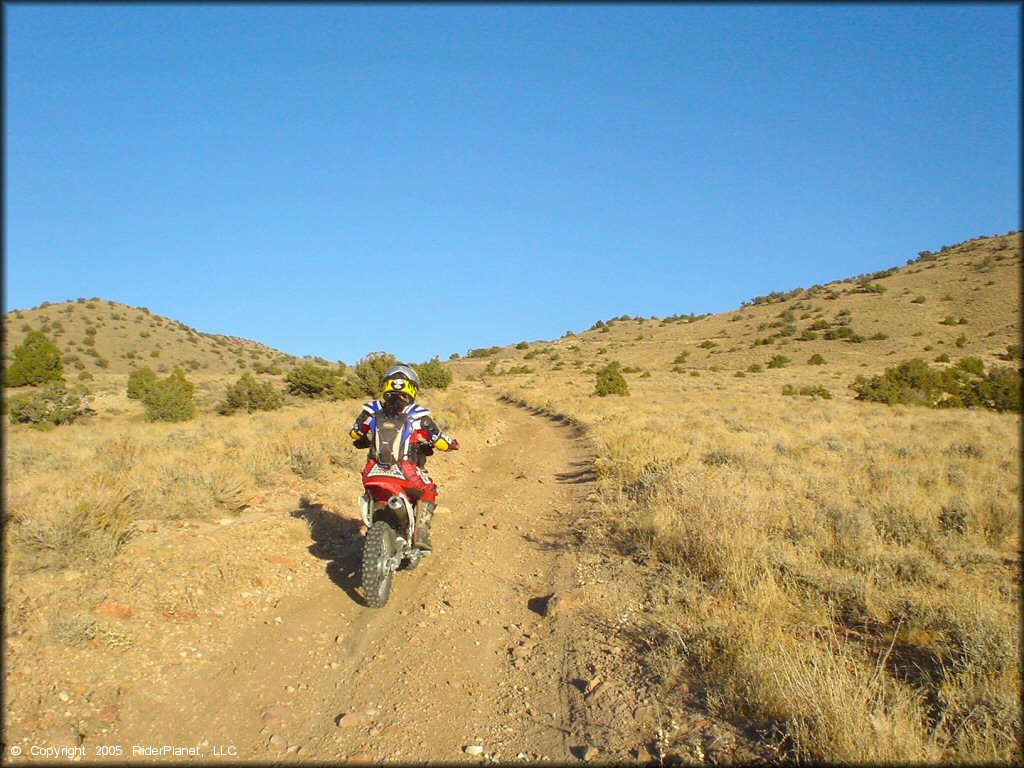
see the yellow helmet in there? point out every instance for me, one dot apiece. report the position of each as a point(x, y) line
point(400, 379)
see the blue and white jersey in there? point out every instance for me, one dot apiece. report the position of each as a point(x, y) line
point(390, 436)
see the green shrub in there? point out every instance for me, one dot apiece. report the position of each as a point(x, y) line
point(807, 390)
point(816, 359)
point(53, 405)
point(249, 395)
point(961, 342)
point(843, 332)
point(311, 380)
point(779, 361)
point(610, 381)
point(913, 382)
point(170, 399)
point(484, 352)
point(681, 357)
point(755, 368)
point(708, 344)
point(523, 345)
point(868, 287)
point(140, 381)
point(346, 388)
point(371, 369)
point(972, 365)
point(36, 361)
point(999, 390)
point(433, 375)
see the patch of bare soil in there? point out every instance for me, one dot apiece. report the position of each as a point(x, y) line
point(249, 639)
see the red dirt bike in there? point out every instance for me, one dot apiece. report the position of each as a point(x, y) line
point(390, 519)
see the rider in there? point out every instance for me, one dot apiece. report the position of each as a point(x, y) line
point(400, 436)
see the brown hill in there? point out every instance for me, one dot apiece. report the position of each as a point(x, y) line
point(105, 337)
point(961, 301)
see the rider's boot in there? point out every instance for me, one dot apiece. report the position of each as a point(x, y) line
point(421, 537)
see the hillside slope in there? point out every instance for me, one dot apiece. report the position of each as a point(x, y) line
point(107, 337)
point(963, 300)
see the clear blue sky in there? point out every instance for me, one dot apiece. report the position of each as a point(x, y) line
point(338, 179)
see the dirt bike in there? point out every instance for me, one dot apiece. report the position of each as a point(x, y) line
point(390, 519)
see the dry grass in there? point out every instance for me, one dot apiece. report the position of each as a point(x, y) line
point(843, 576)
point(74, 493)
point(851, 567)
point(846, 571)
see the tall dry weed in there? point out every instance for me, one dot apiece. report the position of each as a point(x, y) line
point(84, 523)
point(862, 522)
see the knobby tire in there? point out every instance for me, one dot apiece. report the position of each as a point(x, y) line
point(378, 548)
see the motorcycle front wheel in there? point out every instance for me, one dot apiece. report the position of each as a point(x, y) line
point(378, 564)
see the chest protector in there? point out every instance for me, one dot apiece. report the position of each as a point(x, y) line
point(391, 438)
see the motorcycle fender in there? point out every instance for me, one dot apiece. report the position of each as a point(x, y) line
point(365, 505)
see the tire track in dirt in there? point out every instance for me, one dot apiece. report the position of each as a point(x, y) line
point(459, 658)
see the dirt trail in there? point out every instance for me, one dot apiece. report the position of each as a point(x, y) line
point(460, 665)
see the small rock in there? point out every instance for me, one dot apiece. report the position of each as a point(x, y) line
point(599, 691)
point(109, 714)
point(560, 602)
point(359, 758)
point(30, 723)
point(473, 749)
point(589, 753)
point(273, 716)
point(292, 749)
point(352, 720)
